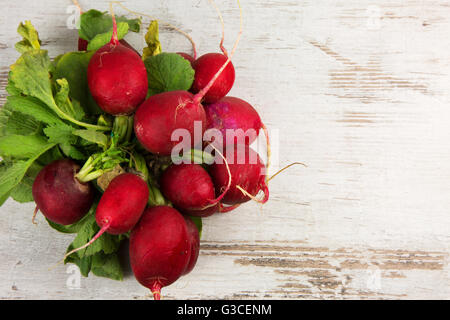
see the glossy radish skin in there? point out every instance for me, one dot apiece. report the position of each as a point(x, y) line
point(249, 176)
point(190, 188)
point(194, 239)
point(117, 79)
point(161, 114)
point(187, 56)
point(59, 195)
point(205, 68)
point(230, 113)
point(160, 249)
point(122, 203)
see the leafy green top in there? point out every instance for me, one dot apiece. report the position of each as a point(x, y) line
point(96, 28)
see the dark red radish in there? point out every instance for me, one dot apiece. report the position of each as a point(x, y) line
point(120, 206)
point(160, 248)
point(161, 114)
point(59, 195)
point(194, 239)
point(82, 44)
point(117, 77)
point(236, 118)
point(248, 175)
point(190, 189)
point(205, 68)
point(187, 56)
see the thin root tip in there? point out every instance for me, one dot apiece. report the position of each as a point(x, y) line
point(33, 219)
point(156, 295)
point(56, 264)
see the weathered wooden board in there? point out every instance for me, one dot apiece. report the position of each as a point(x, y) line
point(358, 90)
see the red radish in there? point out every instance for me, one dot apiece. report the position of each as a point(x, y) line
point(122, 203)
point(187, 56)
point(160, 248)
point(194, 239)
point(235, 116)
point(59, 195)
point(205, 68)
point(117, 77)
point(248, 175)
point(161, 114)
point(120, 206)
point(190, 188)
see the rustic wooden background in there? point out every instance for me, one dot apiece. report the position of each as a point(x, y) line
point(359, 91)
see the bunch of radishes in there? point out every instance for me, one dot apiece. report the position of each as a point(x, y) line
point(164, 241)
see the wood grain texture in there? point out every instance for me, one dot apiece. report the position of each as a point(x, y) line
point(358, 91)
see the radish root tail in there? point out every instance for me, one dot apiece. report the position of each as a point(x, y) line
point(34, 215)
point(261, 201)
point(213, 3)
point(199, 96)
point(115, 38)
point(156, 291)
point(223, 209)
point(282, 169)
point(77, 4)
point(218, 199)
point(194, 49)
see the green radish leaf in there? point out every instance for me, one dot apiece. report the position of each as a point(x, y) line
point(72, 152)
point(60, 133)
point(152, 39)
point(74, 228)
point(100, 264)
point(92, 136)
point(49, 156)
point(29, 106)
point(94, 22)
point(30, 38)
point(168, 72)
point(83, 263)
point(21, 147)
point(73, 67)
point(12, 174)
point(72, 108)
point(106, 243)
point(11, 88)
point(23, 191)
point(30, 74)
point(12, 122)
point(101, 39)
point(107, 266)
